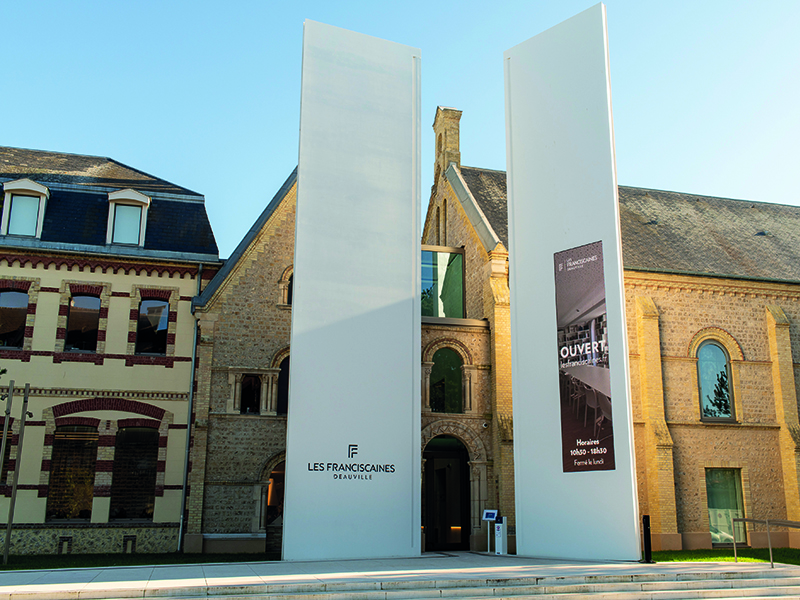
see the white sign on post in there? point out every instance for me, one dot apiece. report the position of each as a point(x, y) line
point(353, 435)
point(573, 435)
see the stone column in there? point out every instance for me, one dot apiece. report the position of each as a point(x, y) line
point(478, 495)
point(783, 383)
point(469, 377)
point(269, 391)
point(658, 440)
point(426, 385)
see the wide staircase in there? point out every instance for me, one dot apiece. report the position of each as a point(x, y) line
point(767, 583)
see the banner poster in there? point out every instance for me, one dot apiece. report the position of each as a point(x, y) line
point(587, 434)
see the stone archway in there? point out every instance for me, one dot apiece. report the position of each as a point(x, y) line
point(478, 487)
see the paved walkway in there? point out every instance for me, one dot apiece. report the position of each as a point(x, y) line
point(203, 579)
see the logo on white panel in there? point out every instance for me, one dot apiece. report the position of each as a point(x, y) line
point(352, 470)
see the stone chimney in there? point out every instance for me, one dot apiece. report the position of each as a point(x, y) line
point(445, 129)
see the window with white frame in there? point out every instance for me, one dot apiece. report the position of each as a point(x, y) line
point(23, 208)
point(127, 217)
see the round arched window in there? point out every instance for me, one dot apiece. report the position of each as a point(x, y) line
point(714, 380)
point(445, 391)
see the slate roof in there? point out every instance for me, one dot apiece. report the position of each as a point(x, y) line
point(76, 215)
point(77, 169)
point(672, 232)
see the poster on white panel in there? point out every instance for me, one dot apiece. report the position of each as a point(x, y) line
point(573, 435)
point(353, 432)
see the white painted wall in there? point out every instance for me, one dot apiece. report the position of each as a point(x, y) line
point(355, 351)
point(562, 193)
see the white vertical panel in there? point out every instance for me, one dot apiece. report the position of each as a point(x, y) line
point(355, 354)
point(562, 194)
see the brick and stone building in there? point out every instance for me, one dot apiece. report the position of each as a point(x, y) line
point(98, 268)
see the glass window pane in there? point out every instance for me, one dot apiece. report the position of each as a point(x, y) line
point(442, 284)
point(712, 375)
point(282, 407)
point(126, 224)
point(250, 399)
point(24, 215)
point(151, 330)
point(71, 489)
point(82, 323)
point(13, 315)
point(133, 480)
point(724, 491)
point(445, 390)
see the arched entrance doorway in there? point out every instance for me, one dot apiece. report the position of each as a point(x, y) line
point(272, 508)
point(445, 505)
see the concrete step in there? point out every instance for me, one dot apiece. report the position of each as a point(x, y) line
point(665, 586)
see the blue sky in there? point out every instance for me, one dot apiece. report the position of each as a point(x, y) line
point(206, 94)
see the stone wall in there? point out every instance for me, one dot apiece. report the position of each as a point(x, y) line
point(93, 539)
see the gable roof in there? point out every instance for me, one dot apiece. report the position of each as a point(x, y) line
point(80, 170)
point(673, 232)
point(238, 253)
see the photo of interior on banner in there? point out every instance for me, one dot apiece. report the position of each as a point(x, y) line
point(587, 434)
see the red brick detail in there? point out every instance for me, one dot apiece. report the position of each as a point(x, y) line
point(103, 265)
point(87, 421)
point(186, 298)
point(61, 333)
point(173, 487)
point(120, 294)
point(134, 315)
point(46, 465)
point(172, 317)
point(171, 338)
point(101, 335)
point(49, 438)
point(138, 423)
point(31, 308)
point(6, 489)
point(29, 330)
point(52, 290)
point(106, 441)
point(103, 314)
point(12, 464)
point(85, 357)
point(132, 335)
point(100, 403)
point(177, 426)
point(102, 491)
point(13, 284)
point(34, 423)
point(85, 288)
point(23, 355)
point(43, 490)
point(10, 419)
point(63, 310)
point(154, 294)
point(104, 466)
point(162, 441)
point(159, 490)
point(161, 466)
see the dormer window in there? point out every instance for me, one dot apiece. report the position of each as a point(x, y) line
point(127, 217)
point(23, 208)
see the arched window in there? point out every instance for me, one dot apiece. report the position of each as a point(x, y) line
point(83, 322)
point(133, 480)
point(250, 400)
point(13, 314)
point(445, 391)
point(714, 381)
point(290, 290)
point(72, 467)
point(282, 406)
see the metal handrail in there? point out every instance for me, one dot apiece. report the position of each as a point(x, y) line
point(775, 522)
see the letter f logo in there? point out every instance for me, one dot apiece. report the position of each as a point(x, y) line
point(352, 450)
